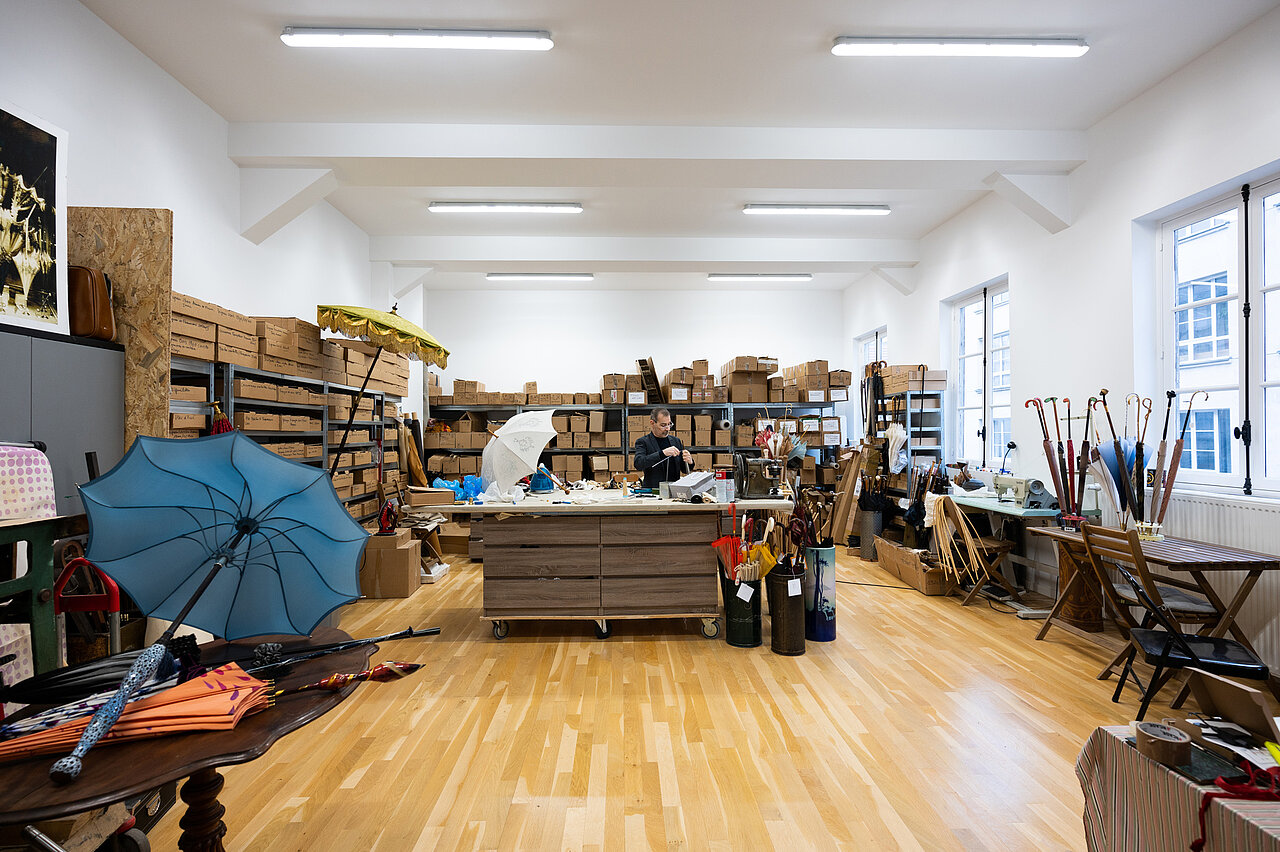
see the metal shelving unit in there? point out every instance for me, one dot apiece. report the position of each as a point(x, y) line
point(220, 378)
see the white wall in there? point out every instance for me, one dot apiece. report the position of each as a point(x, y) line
point(137, 138)
point(1199, 132)
point(565, 340)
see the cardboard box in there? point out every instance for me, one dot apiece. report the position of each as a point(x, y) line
point(273, 364)
point(614, 396)
point(719, 394)
point(343, 479)
point(235, 355)
point(678, 394)
point(906, 565)
point(189, 393)
point(700, 368)
point(740, 364)
point(180, 303)
point(250, 389)
point(613, 381)
point(577, 422)
point(748, 387)
point(702, 439)
point(239, 322)
point(679, 376)
point(391, 571)
point(299, 423)
point(840, 378)
point(191, 347)
point(179, 420)
point(293, 394)
point(633, 382)
point(257, 421)
point(766, 364)
point(595, 421)
point(637, 397)
point(838, 395)
point(199, 329)
point(234, 337)
point(599, 463)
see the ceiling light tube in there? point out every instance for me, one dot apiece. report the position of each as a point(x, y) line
point(759, 278)
point(540, 276)
point(417, 38)
point(817, 209)
point(503, 207)
point(1042, 48)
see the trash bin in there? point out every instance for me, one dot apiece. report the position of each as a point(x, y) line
point(743, 628)
point(871, 526)
point(820, 594)
point(785, 587)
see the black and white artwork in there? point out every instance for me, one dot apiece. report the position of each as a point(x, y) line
point(33, 270)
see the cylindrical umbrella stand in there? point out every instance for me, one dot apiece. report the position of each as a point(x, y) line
point(786, 612)
point(743, 627)
point(872, 524)
point(820, 594)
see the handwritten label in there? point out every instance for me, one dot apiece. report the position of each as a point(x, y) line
point(745, 592)
point(793, 587)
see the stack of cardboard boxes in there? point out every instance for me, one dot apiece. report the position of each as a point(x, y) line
point(188, 424)
point(900, 378)
point(811, 383)
point(747, 378)
point(391, 567)
point(346, 362)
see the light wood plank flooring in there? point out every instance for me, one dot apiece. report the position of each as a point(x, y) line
point(923, 726)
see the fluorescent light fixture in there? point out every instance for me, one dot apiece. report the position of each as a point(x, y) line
point(417, 38)
point(503, 207)
point(540, 276)
point(945, 46)
point(817, 209)
point(759, 278)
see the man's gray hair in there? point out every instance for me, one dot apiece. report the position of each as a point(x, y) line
point(656, 413)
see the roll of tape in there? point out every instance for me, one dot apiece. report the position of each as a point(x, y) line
point(1162, 743)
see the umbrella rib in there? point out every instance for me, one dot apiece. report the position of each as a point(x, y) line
point(280, 577)
point(273, 504)
point(298, 524)
point(206, 486)
point(285, 535)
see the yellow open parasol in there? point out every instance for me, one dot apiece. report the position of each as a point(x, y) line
point(385, 330)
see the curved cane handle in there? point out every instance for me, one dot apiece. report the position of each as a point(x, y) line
point(67, 769)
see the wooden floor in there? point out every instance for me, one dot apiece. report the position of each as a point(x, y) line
point(923, 726)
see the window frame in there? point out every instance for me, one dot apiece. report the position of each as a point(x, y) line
point(1252, 361)
point(877, 336)
point(985, 296)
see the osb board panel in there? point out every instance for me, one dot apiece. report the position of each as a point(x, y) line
point(134, 246)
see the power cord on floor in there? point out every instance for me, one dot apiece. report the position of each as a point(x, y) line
point(873, 585)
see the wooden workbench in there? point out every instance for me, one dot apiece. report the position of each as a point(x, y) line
point(616, 557)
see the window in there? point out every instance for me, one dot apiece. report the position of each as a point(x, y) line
point(1204, 345)
point(872, 346)
point(983, 414)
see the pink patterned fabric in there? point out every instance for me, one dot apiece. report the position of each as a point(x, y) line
point(26, 485)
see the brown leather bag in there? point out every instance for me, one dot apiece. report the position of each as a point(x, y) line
point(89, 299)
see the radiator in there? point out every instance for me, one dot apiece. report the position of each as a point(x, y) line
point(1249, 524)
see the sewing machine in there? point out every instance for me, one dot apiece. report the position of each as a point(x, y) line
point(755, 478)
point(1027, 493)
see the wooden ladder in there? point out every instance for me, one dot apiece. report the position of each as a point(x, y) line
point(652, 387)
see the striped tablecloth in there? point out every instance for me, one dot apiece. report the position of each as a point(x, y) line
point(1134, 803)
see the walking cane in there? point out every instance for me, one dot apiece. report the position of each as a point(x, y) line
point(1119, 447)
point(1139, 463)
point(1062, 461)
point(1164, 435)
point(1177, 457)
point(1084, 455)
point(1048, 449)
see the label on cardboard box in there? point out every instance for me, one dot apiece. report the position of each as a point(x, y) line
point(191, 347)
point(193, 327)
point(678, 394)
point(189, 393)
point(816, 396)
point(636, 397)
point(838, 395)
point(272, 364)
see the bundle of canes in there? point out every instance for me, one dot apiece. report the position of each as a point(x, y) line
point(1164, 440)
point(1083, 463)
point(1048, 448)
point(1065, 494)
point(1175, 459)
point(1139, 463)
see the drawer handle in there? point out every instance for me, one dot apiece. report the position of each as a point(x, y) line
point(529, 546)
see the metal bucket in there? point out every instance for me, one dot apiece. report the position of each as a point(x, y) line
point(786, 612)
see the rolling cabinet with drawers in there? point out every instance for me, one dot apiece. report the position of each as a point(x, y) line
point(601, 567)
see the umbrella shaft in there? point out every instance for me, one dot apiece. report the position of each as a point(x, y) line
point(204, 584)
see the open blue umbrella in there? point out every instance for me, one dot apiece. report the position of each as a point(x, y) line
point(217, 533)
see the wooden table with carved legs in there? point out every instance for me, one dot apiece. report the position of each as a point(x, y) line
point(113, 773)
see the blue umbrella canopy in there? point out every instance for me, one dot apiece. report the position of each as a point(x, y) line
point(161, 517)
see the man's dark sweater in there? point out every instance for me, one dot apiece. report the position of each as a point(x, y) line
point(657, 467)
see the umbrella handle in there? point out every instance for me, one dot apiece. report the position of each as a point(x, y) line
point(67, 769)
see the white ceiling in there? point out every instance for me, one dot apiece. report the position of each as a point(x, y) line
point(662, 117)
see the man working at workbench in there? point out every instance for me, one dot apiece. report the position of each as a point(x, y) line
point(660, 454)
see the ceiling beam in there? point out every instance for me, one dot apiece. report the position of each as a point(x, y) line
point(902, 279)
point(296, 143)
point(272, 198)
point(1046, 199)
point(710, 254)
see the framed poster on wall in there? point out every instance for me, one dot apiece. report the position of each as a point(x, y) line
point(33, 222)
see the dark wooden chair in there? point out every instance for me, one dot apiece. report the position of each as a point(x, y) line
point(1167, 603)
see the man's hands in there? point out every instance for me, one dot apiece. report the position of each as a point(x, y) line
point(687, 457)
point(683, 455)
point(671, 451)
